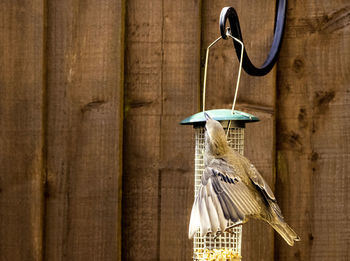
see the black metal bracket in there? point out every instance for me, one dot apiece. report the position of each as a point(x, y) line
point(248, 66)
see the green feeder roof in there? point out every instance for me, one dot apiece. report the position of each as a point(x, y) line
point(220, 115)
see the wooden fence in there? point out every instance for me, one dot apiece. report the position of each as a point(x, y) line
point(93, 162)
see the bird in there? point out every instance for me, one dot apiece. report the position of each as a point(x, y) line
point(232, 189)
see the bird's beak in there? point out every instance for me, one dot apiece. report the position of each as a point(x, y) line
point(207, 117)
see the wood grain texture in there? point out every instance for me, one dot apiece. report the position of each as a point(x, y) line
point(256, 96)
point(162, 86)
point(180, 91)
point(85, 83)
point(21, 132)
point(313, 130)
point(141, 150)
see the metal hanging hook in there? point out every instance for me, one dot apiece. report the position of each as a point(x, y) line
point(230, 14)
point(228, 33)
point(234, 32)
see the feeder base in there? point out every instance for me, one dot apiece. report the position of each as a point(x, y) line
point(216, 254)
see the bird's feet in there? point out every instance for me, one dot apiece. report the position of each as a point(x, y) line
point(230, 229)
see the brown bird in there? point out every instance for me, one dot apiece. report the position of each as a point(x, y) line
point(232, 189)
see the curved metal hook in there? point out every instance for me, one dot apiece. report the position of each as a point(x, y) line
point(230, 13)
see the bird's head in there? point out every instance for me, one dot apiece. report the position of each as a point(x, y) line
point(215, 138)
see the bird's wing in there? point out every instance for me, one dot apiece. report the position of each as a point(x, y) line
point(222, 196)
point(259, 181)
point(265, 190)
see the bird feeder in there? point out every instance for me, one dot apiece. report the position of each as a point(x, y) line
point(227, 245)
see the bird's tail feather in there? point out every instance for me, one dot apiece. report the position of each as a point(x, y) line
point(286, 232)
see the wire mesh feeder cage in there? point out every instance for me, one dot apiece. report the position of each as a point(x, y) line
point(226, 246)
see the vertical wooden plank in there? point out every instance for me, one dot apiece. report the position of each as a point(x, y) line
point(313, 130)
point(85, 83)
point(180, 95)
point(21, 132)
point(256, 96)
point(141, 154)
point(162, 81)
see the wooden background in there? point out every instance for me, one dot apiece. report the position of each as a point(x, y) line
point(93, 162)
